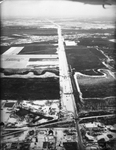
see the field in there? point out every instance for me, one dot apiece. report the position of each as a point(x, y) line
point(20, 31)
point(29, 89)
point(82, 58)
point(98, 90)
point(39, 49)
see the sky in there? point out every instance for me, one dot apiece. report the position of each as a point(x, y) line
point(55, 8)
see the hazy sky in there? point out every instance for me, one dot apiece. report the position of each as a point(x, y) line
point(56, 8)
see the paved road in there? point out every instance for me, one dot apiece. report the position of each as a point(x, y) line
point(101, 116)
point(67, 95)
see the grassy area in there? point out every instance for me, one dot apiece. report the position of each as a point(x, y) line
point(103, 89)
point(39, 49)
point(29, 89)
point(9, 30)
point(99, 104)
point(81, 58)
point(97, 86)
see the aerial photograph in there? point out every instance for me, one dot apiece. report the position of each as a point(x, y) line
point(58, 75)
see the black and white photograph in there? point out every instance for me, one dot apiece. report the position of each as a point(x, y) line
point(58, 74)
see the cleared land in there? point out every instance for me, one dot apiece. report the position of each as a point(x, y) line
point(29, 89)
point(81, 58)
point(40, 49)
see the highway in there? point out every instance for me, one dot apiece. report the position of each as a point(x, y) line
point(67, 89)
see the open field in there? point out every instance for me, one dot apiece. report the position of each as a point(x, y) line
point(29, 89)
point(81, 58)
point(37, 48)
point(40, 49)
point(98, 90)
point(29, 30)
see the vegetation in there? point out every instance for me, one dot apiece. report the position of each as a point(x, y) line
point(29, 89)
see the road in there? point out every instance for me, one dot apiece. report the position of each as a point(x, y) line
point(67, 94)
point(96, 117)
